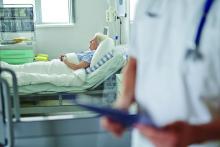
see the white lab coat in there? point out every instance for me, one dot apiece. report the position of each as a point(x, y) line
point(167, 85)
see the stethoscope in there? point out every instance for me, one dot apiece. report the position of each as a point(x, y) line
point(195, 53)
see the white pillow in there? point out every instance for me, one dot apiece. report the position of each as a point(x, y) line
point(104, 47)
point(72, 57)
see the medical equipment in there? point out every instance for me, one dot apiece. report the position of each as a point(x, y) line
point(121, 13)
point(120, 8)
point(195, 53)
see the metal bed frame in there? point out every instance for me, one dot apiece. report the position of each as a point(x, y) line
point(60, 107)
point(6, 114)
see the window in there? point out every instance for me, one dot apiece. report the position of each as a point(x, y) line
point(49, 11)
point(132, 9)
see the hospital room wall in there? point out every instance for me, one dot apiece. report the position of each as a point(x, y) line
point(90, 18)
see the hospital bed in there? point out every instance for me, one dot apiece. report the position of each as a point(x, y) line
point(65, 130)
point(93, 79)
point(93, 85)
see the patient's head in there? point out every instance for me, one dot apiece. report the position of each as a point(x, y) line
point(96, 40)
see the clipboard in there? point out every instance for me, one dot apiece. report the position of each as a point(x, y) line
point(126, 119)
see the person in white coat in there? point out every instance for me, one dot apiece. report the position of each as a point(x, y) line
point(174, 64)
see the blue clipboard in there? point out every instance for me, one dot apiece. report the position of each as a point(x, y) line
point(126, 119)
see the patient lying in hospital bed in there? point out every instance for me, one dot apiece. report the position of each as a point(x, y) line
point(65, 65)
point(69, 70)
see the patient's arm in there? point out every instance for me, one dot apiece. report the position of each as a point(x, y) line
point(74, 66)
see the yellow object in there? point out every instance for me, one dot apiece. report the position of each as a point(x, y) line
point(41, 57)
point(20, 39)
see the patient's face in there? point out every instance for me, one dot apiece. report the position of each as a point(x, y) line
point(93, 44)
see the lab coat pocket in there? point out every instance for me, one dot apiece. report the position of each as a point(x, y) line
point(196, 74)
point(202, 81)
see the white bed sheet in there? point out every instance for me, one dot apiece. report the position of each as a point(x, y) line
point(91, 80)
point(54, 72)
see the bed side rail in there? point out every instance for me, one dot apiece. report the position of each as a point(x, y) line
point(7, 135)
point(16, 100)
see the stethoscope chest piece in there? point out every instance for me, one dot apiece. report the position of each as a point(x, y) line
point(194, 55)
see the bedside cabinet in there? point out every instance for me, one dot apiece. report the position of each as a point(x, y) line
point(16, 54)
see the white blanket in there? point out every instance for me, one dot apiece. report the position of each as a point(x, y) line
point(54, 72)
